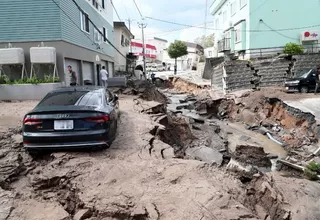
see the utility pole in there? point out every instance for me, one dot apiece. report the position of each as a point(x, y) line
point(129, 24)
point(143, 26)
point(205, 18)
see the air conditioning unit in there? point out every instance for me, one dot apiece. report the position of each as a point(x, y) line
point(11, 56)
point(43, 55)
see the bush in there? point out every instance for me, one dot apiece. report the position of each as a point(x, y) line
point(312, 170)
point(33, 80)
point(293, 49)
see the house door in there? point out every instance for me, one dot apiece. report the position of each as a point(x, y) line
point(98, 68)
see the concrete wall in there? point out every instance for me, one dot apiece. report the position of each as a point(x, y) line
point(64, 50)
point(26, 91)
point(210, 64)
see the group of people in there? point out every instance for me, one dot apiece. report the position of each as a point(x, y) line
point(103, 76)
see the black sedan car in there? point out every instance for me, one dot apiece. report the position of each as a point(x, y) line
point(72, 118)
point(304, 82)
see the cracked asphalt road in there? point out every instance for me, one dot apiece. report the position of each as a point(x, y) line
point(132, 181)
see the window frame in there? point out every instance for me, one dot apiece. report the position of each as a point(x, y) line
point(237, 34)
point(84, 19)
point(242, 5)
point(233, 6)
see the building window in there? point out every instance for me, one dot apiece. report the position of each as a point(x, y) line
point(104, 34)
point(95, 4)
point(233, 8)
point(224, 15)
point(237, 34)
point(97, 36)
point(210, 53)
point(217, 23)
point(243, 3)
point(103, 5)
point(122, 40)
point(84, 22)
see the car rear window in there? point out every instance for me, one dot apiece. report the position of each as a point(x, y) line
point(80, 98)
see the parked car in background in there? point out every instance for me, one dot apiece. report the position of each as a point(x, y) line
point(72, 118)
point(304, 82)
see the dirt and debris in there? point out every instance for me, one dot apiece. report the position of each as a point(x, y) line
point(163, 165)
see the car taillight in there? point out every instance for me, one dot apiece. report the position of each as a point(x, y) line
point(32, 121)
point(98, 119)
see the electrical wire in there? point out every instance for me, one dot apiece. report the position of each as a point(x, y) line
point(135, 3)
point(85, 33)
point(283, 35)
point(252, 30)
point(114, 8)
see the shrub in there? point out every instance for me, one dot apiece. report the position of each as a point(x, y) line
point(312, 170)
point(293, 49)
point(33, 80)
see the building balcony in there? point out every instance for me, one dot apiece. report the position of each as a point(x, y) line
point(224, 45)
point(216, 5)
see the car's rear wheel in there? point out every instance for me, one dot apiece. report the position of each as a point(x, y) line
point(304, 89)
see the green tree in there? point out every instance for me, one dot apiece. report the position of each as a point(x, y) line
point(205, 41)
point(293, 49)
point(176, 50)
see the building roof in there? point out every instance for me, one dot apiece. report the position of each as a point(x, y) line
point(120, 24)
point(156, 38)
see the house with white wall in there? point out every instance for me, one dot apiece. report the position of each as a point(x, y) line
point(210, 52)
point(122, 41)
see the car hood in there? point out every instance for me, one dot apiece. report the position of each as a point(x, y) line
point(294, 79)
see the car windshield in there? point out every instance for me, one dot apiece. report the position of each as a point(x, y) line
point(304, 73)
point(67, 98)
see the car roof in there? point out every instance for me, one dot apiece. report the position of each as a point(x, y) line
point(79, 88)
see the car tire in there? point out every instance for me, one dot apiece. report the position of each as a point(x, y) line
point(33, 153)
point(304, 89)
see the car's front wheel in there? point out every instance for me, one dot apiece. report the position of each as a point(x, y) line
point(304, 89)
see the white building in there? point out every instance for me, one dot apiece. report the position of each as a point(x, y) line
point(188, 62)
point(122, 41)
point(210, 52)
point(160, 44)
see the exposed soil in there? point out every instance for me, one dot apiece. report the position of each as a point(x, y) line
point(143, 175)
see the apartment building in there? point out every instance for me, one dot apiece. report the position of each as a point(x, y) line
point(65, 25)
point(251, 28)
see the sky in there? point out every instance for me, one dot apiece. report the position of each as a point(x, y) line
point(190, 12)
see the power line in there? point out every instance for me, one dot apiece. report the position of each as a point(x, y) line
point(252, 30)
point(115, 10)
point(134, 1)
point(283, 35)
point(125, 7)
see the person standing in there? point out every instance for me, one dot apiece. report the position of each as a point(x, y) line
point(317, 79)
point(73, 76)
point(104, 77)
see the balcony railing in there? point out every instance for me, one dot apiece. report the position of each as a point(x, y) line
point(224, 45)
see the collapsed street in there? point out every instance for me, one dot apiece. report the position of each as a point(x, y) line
point(179, 154)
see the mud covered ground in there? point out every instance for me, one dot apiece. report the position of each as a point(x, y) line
point(146, 174)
